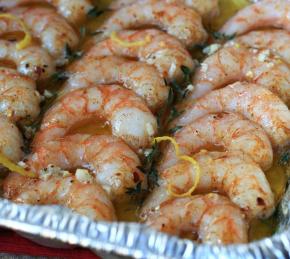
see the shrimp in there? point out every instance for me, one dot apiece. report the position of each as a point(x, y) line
point(127, 114)
point(19, 99)
point(268, 39)
point(228, 131)
point(75, 11)
point(88, 199)
point(163, 51)
point(263, 14)
point(212, 217)
point(32, 61)
point(140, 77)
point(109, 158)
point(11, 142)
point(53, 31)
point(208, 9)
point(177, 20)
point(230, 173)
point(236, 63)
point(252, 101)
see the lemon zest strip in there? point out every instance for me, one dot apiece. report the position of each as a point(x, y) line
point(6, 162)
point(185, 158)
point(114, 37)
point(26, 41)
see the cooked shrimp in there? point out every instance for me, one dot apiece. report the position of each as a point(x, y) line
point(177, 20)
point(18, 96)
point(208, 9)
point(252, 101)
point(127, 114)
point(223, 130)
point(230, 173)
point(73, 10)
point(88, 199)
point(140, 77)
point(263, 14)
point(10, 140)
point(212, 217)
point(268, 39)
point(236, 63)
point(109, 158)
point(163, 51)
point(32, 61)
point(54, 31)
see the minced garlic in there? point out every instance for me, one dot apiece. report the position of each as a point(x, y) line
point(83, 176)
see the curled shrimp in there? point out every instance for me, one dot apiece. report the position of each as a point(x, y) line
point(208, 9)
point(252, 101)
point(236, 63)
point(32, 61)
point(221, 130)
point(212, 217)
point(19, 99)
point(88, 199)
point(230, 173)
point(163, 51)
point(140, 77)
point(75, 11)
point(177, 20)
point(109, 158)
point(266, 13)
point(129, 117)
point(272, 39)
point(53, 31)
point(11, 142)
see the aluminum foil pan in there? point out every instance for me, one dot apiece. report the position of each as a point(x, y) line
point(131, 239)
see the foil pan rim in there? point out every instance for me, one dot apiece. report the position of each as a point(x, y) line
point(130, 239)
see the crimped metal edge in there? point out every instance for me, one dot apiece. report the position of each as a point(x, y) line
point(132, 239)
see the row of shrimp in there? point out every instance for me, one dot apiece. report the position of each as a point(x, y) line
point(122, 78)
point(104, 85)
point(238, 106)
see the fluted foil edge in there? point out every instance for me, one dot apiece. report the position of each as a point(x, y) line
point(132, 239)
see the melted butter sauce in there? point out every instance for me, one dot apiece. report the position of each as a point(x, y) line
point(92, 127)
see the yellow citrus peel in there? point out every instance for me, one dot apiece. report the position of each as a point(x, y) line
point(6, 162)
point(115, 38)
point(26, 41)
point(185, 158)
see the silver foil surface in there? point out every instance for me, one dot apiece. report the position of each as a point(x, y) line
point(55, 223)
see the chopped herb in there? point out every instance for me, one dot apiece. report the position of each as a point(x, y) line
point(153, 178)
point(83, 32)
point(59, 76)
point(175, 129)
point(199, 46)
point(94, 12)
point(170, 97)
point(186, 73)
point(222, 36)
point(94, 33)
point(151, 154)
point(71, 55)
point(174, 113)
point(159, 116)
point(178, 90)
point(285, 158)
point(136, 190)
